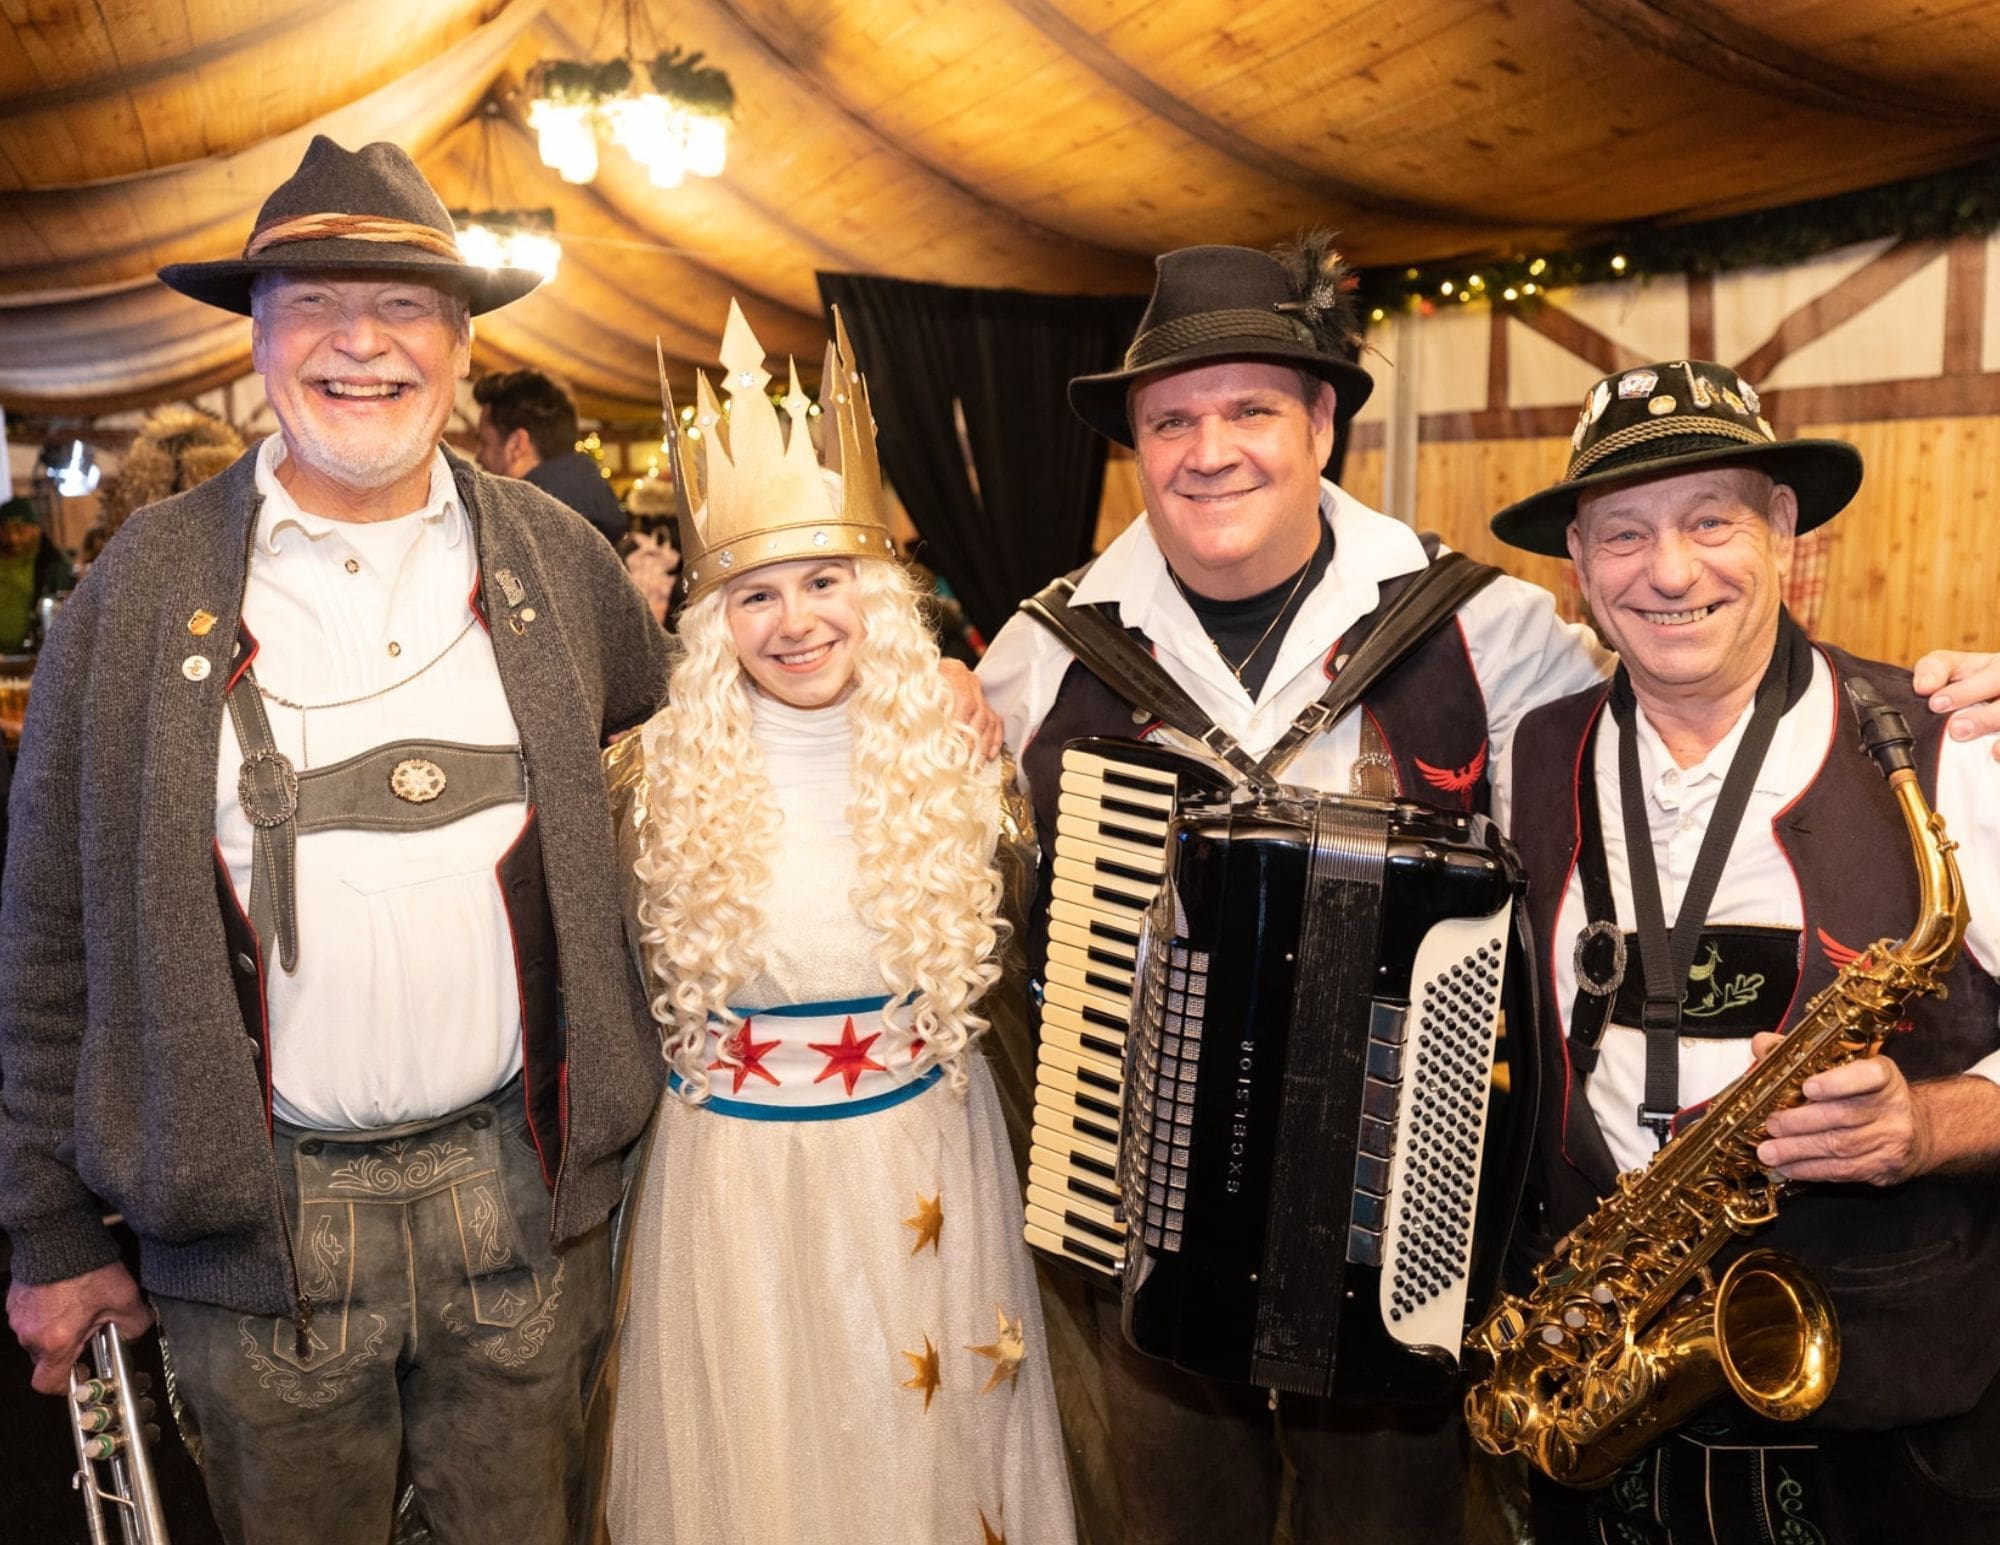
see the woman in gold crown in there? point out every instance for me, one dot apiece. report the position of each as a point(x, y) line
point(833, 1331)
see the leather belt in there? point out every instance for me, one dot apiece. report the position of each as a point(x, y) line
point(403, 785)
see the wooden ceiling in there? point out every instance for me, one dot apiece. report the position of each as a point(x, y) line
point(1042, 144)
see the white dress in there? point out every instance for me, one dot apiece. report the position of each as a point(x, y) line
point(834, 1335)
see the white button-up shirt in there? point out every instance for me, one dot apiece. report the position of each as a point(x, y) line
point(1522, 653)
point(405, 1003)
point(1757, 887)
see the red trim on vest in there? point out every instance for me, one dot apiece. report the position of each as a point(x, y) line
point(1464, 643)
point(243, 635)
point(521, 996)
point(477, 603)
point(1806, 924)
point(263, 998)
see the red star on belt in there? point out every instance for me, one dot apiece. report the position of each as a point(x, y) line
point(847, 1056)
point(749, 1057)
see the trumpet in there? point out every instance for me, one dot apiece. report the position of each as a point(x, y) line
point(110, 1420)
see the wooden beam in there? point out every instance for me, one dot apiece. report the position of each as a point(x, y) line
point(1849, 298)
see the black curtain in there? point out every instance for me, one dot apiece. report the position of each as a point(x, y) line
point(1006, 358)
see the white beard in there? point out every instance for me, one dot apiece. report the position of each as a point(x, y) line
point(365, 460)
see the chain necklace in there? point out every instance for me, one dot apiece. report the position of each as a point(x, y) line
point(1263, 638)
point(302, 709)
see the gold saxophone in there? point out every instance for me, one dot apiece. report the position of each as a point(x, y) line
point(1628, 1331)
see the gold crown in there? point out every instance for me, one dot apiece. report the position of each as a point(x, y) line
point(755, 495)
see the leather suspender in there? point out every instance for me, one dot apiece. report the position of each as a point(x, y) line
point(404, 785)
point(1108, 652)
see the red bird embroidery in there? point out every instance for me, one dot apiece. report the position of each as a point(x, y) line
point(1454, 780)
point(1838, 955)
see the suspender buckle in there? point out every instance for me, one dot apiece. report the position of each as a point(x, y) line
point(267, 801)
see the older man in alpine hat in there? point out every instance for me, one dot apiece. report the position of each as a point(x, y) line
point(310, 960)
point(1253, 580)
point(1726, 758)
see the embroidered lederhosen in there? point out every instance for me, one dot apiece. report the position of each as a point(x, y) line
point(1911, 1269)
point(407, 785)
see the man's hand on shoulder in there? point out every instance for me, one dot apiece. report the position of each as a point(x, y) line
point(54, 1319)
point(1865, 1122)
point(973, 711)
point(1966, 683)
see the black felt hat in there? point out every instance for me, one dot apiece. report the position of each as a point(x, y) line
point(1665, 419)
point(1221, 303)
point(350, 209)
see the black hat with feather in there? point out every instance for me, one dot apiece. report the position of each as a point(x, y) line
point(1293, 306)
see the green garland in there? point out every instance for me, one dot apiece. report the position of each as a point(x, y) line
point(1964, 200)
point(578, 83)
point(682, 78)
point(700, 88)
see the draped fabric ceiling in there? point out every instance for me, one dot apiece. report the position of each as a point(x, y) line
point(1048, 145)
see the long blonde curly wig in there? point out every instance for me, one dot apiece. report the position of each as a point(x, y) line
point(925, 818)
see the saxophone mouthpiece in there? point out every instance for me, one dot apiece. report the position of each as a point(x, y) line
point(1884, 733)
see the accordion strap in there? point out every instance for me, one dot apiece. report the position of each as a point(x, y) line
point(1426, 604)
point(1111, 654)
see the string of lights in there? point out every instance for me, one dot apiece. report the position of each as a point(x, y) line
point(1950, 203)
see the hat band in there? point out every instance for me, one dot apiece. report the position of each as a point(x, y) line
point(1182, 333)
point(1660, 429)
point(404, 233)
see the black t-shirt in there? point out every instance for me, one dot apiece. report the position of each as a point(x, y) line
point(1259, 622)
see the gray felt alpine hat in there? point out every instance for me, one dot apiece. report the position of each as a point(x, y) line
point(367, 209)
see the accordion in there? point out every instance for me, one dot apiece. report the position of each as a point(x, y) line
point(1266, 1093)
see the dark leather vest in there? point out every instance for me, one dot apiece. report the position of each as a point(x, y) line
point(1911, 1269)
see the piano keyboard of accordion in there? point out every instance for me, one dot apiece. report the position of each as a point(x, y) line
point(1292, 1164)
point(1109, 858)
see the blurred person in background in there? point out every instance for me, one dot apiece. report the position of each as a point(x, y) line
point(527, 429)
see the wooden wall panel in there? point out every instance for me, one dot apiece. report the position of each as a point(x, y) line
point(1914, 562)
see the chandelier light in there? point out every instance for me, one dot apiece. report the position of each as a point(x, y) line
point(496, 237)
point(672, 114)
point(509, 238)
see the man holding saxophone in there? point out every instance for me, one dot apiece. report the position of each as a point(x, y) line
point(1708, 846)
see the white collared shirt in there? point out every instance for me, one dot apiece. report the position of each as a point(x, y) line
point(1522, 653)
point(1757, 885)
point(404, 1004)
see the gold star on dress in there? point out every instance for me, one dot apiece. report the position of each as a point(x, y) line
point(1007, 1351)
point(988, 1535)
point(929, 1222)
point(925, 1376)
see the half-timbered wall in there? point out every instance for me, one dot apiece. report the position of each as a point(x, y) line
point(1892, 345)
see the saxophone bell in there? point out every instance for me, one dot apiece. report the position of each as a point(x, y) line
point(110, 1419)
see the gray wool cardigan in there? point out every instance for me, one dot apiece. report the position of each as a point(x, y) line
point(125, 1071)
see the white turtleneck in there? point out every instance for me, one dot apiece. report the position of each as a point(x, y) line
point(814, 945)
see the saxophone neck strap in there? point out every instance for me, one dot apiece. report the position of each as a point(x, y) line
point(1112, 655)
point(1666, 956)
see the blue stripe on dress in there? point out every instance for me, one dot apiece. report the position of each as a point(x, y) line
point(815, 1010)
point(831, 1111)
